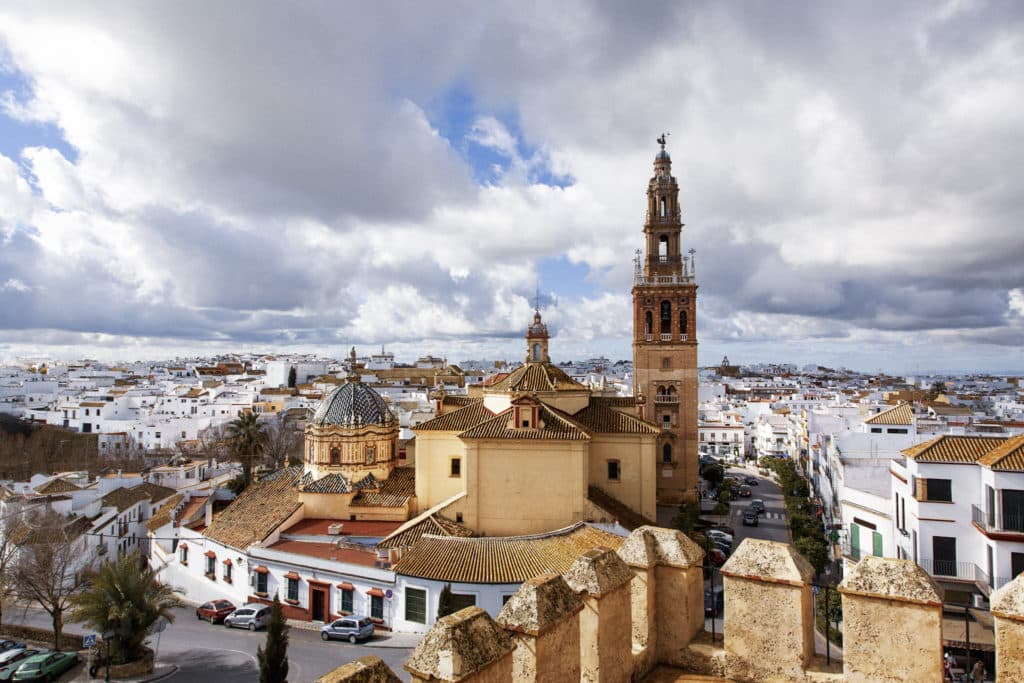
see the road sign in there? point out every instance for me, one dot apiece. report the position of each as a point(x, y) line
point(88, 640)
point(388, 594)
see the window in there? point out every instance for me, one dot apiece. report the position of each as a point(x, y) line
point(457, 601)
point(666, 453)
point(261, 583)
point(937, 490)
point(183, 554)
point(335, 456)
point(648, 322)
point(376, 607)
point(894, 430)
point(876, 430)
point(536, 352)
point(211, 564)
point(666, 317)
point(613, 470)
point(293, 589)
point(416, 605)
point(346, 600)
point(458, 517)
point(456, 466)
point(371, 455)
point(227, 571)
point(666, 363)
point(682, 322)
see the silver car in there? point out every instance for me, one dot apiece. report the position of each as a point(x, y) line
point(252, 617)
point(352, 628)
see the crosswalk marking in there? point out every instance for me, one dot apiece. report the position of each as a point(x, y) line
point(764, 515)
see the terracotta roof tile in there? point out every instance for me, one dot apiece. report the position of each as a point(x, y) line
point(163, 515)
point(604, 420)
point(542, 377)
point(395, 491)
point(57, 485)
point(435, 524)
point(902, 414)
point(1008, 456)
point(494, 559)
point(457, 420)
point(123, 498)
point(555, 425)
point(613, 401)
point(949, 448)
point(259, 510)
point(155, 491)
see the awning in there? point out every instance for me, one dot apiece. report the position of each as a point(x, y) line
point(375, 592)
point(346, 586)
point(261, 570)
point(292, 575)
point(228, 562)
point(211, 554)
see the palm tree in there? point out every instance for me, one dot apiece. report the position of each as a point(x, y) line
point(126, 601)
point(246, 436)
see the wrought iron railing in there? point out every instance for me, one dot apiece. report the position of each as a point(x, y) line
point(997, 521)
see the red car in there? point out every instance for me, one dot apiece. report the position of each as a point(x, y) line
point(214, 611)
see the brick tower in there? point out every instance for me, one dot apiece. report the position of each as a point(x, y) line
point(665, 335)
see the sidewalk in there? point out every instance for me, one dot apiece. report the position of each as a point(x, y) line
point(159, 673)
point(379, 639)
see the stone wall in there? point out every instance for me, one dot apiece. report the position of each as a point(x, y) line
point(637, 614)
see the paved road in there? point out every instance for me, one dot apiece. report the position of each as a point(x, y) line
point(206, 653)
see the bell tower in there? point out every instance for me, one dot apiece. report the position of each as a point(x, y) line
point(665, 334)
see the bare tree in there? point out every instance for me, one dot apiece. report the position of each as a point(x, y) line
point(8, 551)
point(279, 441)
point(50, 564)
point(213, 443)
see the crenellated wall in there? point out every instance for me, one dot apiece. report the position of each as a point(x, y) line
point(637, 614)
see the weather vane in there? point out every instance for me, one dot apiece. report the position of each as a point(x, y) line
point(661, 140)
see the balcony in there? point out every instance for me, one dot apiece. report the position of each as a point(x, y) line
point(993, 522)
point(666, 336)
point(669, 216)
point(666, 398)
point(951, 570)
point(640, 280)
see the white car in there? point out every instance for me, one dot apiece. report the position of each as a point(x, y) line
point(12, 654)
point(716, 534)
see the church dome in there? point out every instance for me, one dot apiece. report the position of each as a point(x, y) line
point(351, 405)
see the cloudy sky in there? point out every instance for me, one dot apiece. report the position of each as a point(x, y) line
point(193, 177)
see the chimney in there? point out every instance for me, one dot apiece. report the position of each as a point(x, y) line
point(209, 512)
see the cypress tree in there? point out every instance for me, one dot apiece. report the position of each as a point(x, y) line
point(444, 601)
point(274, 660)
point(292, 377)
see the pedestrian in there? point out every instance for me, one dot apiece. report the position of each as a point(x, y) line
point(947, 665)
point(978, 672)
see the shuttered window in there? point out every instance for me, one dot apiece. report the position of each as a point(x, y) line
point(416, 605)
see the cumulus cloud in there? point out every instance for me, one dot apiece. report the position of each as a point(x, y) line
point(303, 176)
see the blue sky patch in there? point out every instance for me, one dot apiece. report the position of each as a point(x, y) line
point(570, 280)
point(17, 135)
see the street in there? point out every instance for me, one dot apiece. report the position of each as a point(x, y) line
point(208, 653)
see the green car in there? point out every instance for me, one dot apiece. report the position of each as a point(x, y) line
point(10, 666)
point(45, 666)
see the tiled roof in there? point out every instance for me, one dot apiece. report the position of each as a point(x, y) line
point(458, 400)
point(155, 491)
point(259, 510)
point(458, 420)
point(395, 491)
point(353, 404)
point(188, 511)
point(556, 426)
point(538, 377)
point(123, 498)
point(494, 559)
point(327, 551)
point(57, 485)
point(948, 448)
point(613, 401)
point(435, 524)
point(163, 515)
point(902, 414)
point(331, 483)
point(623, 514)
point(1009, 455)
point(604, 420)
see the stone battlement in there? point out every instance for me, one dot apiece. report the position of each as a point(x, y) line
point(637, 614)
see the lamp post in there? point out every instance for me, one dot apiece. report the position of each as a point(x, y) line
point(107, 637)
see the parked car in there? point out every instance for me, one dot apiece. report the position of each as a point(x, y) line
point(252, 616)
point(215, 610)
point(751, 481)
point(717, 534)
point(717, 557)
point(6, 645)
point(45, 666)
point(745, 491)
point(714, 601)
point(12, 654)
point(8, 668)
point(758, 505)
point(749, 518)
point(725, 548)
point(352, 628)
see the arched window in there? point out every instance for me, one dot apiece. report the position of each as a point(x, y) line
point(371, 455)
point(671, 391)
point(682, 322)
point(666, 317)
point(664, 207)
point(536, 352)
point(662, 247)
point(661, 391)
point(649, 322)
point(666, 453)
point(335, 456)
